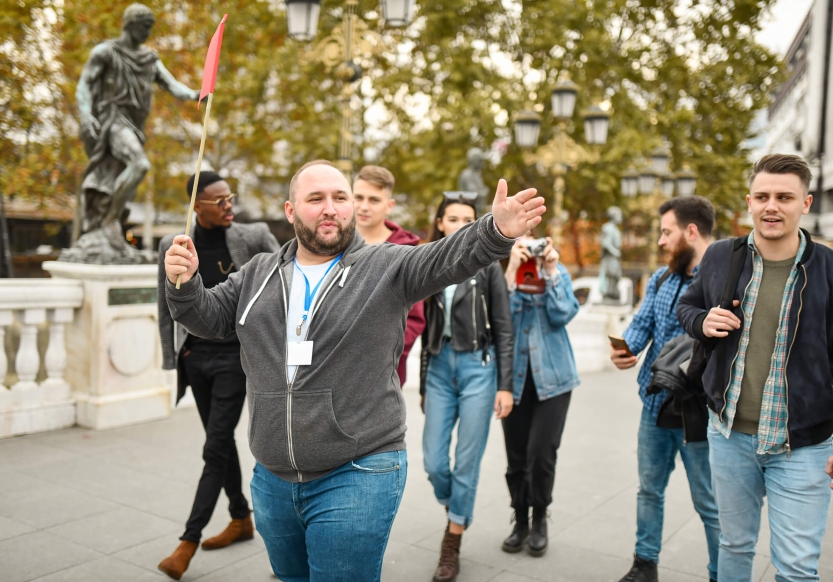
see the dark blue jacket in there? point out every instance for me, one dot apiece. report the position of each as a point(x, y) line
point(810, 336)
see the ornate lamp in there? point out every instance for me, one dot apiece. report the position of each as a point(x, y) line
point(630, 183)
point(667, 185)
point(302, 19)
point(527, 128)
point(596, 124)
point(686, 180)
point(660, 158)
point(398, 13)
point(648, 181)
point(564, 97)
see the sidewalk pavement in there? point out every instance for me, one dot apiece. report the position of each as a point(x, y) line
point(78, 505)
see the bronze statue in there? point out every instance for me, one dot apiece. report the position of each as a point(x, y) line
point(470, 179)
point(114, 98)
point(611, 266)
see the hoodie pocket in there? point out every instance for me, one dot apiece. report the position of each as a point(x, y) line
point(318, 441)
point(267, 431)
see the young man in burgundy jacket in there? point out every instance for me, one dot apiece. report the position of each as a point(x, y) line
point(373, 194)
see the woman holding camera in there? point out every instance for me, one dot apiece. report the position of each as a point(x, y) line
point(542, 303)
point(466, 372)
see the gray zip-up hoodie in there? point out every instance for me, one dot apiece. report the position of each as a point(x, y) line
point(347, 404)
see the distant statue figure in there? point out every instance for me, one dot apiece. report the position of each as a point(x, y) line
point(470, 179)
point(114, 97)
point(611, 266)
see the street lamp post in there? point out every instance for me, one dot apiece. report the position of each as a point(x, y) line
point(336, 52)
point(561, 153)
point(656, 184)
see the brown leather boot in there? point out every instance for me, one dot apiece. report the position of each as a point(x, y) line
point(449, 565)
point(176, 564)
point(238, 530)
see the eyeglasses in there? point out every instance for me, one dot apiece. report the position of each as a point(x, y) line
point(230, 199)
point(459, 195)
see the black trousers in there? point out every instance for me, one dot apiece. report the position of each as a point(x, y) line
point(532, 433)
point(219, 386)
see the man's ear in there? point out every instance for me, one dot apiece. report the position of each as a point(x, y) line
point(692, 231)
point(289, 211)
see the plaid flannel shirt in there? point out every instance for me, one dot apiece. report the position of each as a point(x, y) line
point(772, 426)
point(656, 322)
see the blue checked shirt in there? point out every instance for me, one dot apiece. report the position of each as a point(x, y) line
point(657, 323)
point(772, 426)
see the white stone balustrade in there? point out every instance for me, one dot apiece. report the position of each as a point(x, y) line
point(28, 405)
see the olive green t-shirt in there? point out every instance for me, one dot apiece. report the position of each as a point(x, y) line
point(762, 332)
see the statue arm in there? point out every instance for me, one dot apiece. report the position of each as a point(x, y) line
point(168, 83)
point(84, 95)
point(610, 244)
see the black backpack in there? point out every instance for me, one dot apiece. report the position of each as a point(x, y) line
point(680, 365)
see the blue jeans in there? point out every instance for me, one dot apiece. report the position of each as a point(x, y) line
point(799, 497)
point(334, 528)
point(657, 453)
point(458, 386)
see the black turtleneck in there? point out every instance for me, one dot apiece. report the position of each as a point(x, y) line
point(215, 267)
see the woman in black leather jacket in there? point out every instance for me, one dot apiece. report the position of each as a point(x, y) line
point(466, 372)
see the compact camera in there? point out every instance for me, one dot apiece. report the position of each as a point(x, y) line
point(536, 247)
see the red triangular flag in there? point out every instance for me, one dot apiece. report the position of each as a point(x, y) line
point(212, 61)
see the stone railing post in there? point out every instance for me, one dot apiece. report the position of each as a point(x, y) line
point(27, 361)
point(6, 319)
point(55, 359)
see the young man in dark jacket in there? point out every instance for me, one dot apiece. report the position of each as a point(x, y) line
point(686, 226)
point(317, 324)
point(373, 195)
point(768, 378)
point(212, 366)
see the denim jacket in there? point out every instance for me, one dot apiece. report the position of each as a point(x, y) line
point(540, 334)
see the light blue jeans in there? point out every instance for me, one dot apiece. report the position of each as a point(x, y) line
point(798, 491)
point(458, 386)
point(333, 529)
point(656, 454)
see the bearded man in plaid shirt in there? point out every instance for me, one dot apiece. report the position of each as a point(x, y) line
point(771, 403)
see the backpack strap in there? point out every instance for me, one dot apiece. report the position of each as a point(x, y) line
point(662, 279)
point(735, 267)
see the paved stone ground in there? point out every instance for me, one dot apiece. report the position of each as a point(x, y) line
point(77, 505)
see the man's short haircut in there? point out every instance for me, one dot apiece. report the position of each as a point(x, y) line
point(783, 164)
point(206, 179)
point(293, 182)
point(694, 210)
point(137, 13)
point(378, 176)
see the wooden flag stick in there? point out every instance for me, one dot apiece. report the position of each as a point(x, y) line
point(196, 178)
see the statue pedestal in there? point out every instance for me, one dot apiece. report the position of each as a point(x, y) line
point(114, 358)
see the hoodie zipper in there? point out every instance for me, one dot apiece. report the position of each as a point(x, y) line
point(474, 313)
point(787, 361)
point(289, 386)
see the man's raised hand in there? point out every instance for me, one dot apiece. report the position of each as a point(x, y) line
point(516, 215)
point(180, 260)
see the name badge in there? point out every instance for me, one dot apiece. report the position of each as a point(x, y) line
point(299, 353)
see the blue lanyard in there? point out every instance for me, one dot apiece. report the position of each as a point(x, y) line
point(310, 295)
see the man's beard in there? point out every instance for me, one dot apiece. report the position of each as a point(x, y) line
point(681, 257)
point(309, 238)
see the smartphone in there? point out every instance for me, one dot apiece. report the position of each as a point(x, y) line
point(528, 280)
point(619, 344)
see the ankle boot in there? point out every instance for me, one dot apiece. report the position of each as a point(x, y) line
point(537, 544)
point(449, 565)
point(520, 533)
point(176, 564)
point(641, 571)
point(237, 531)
